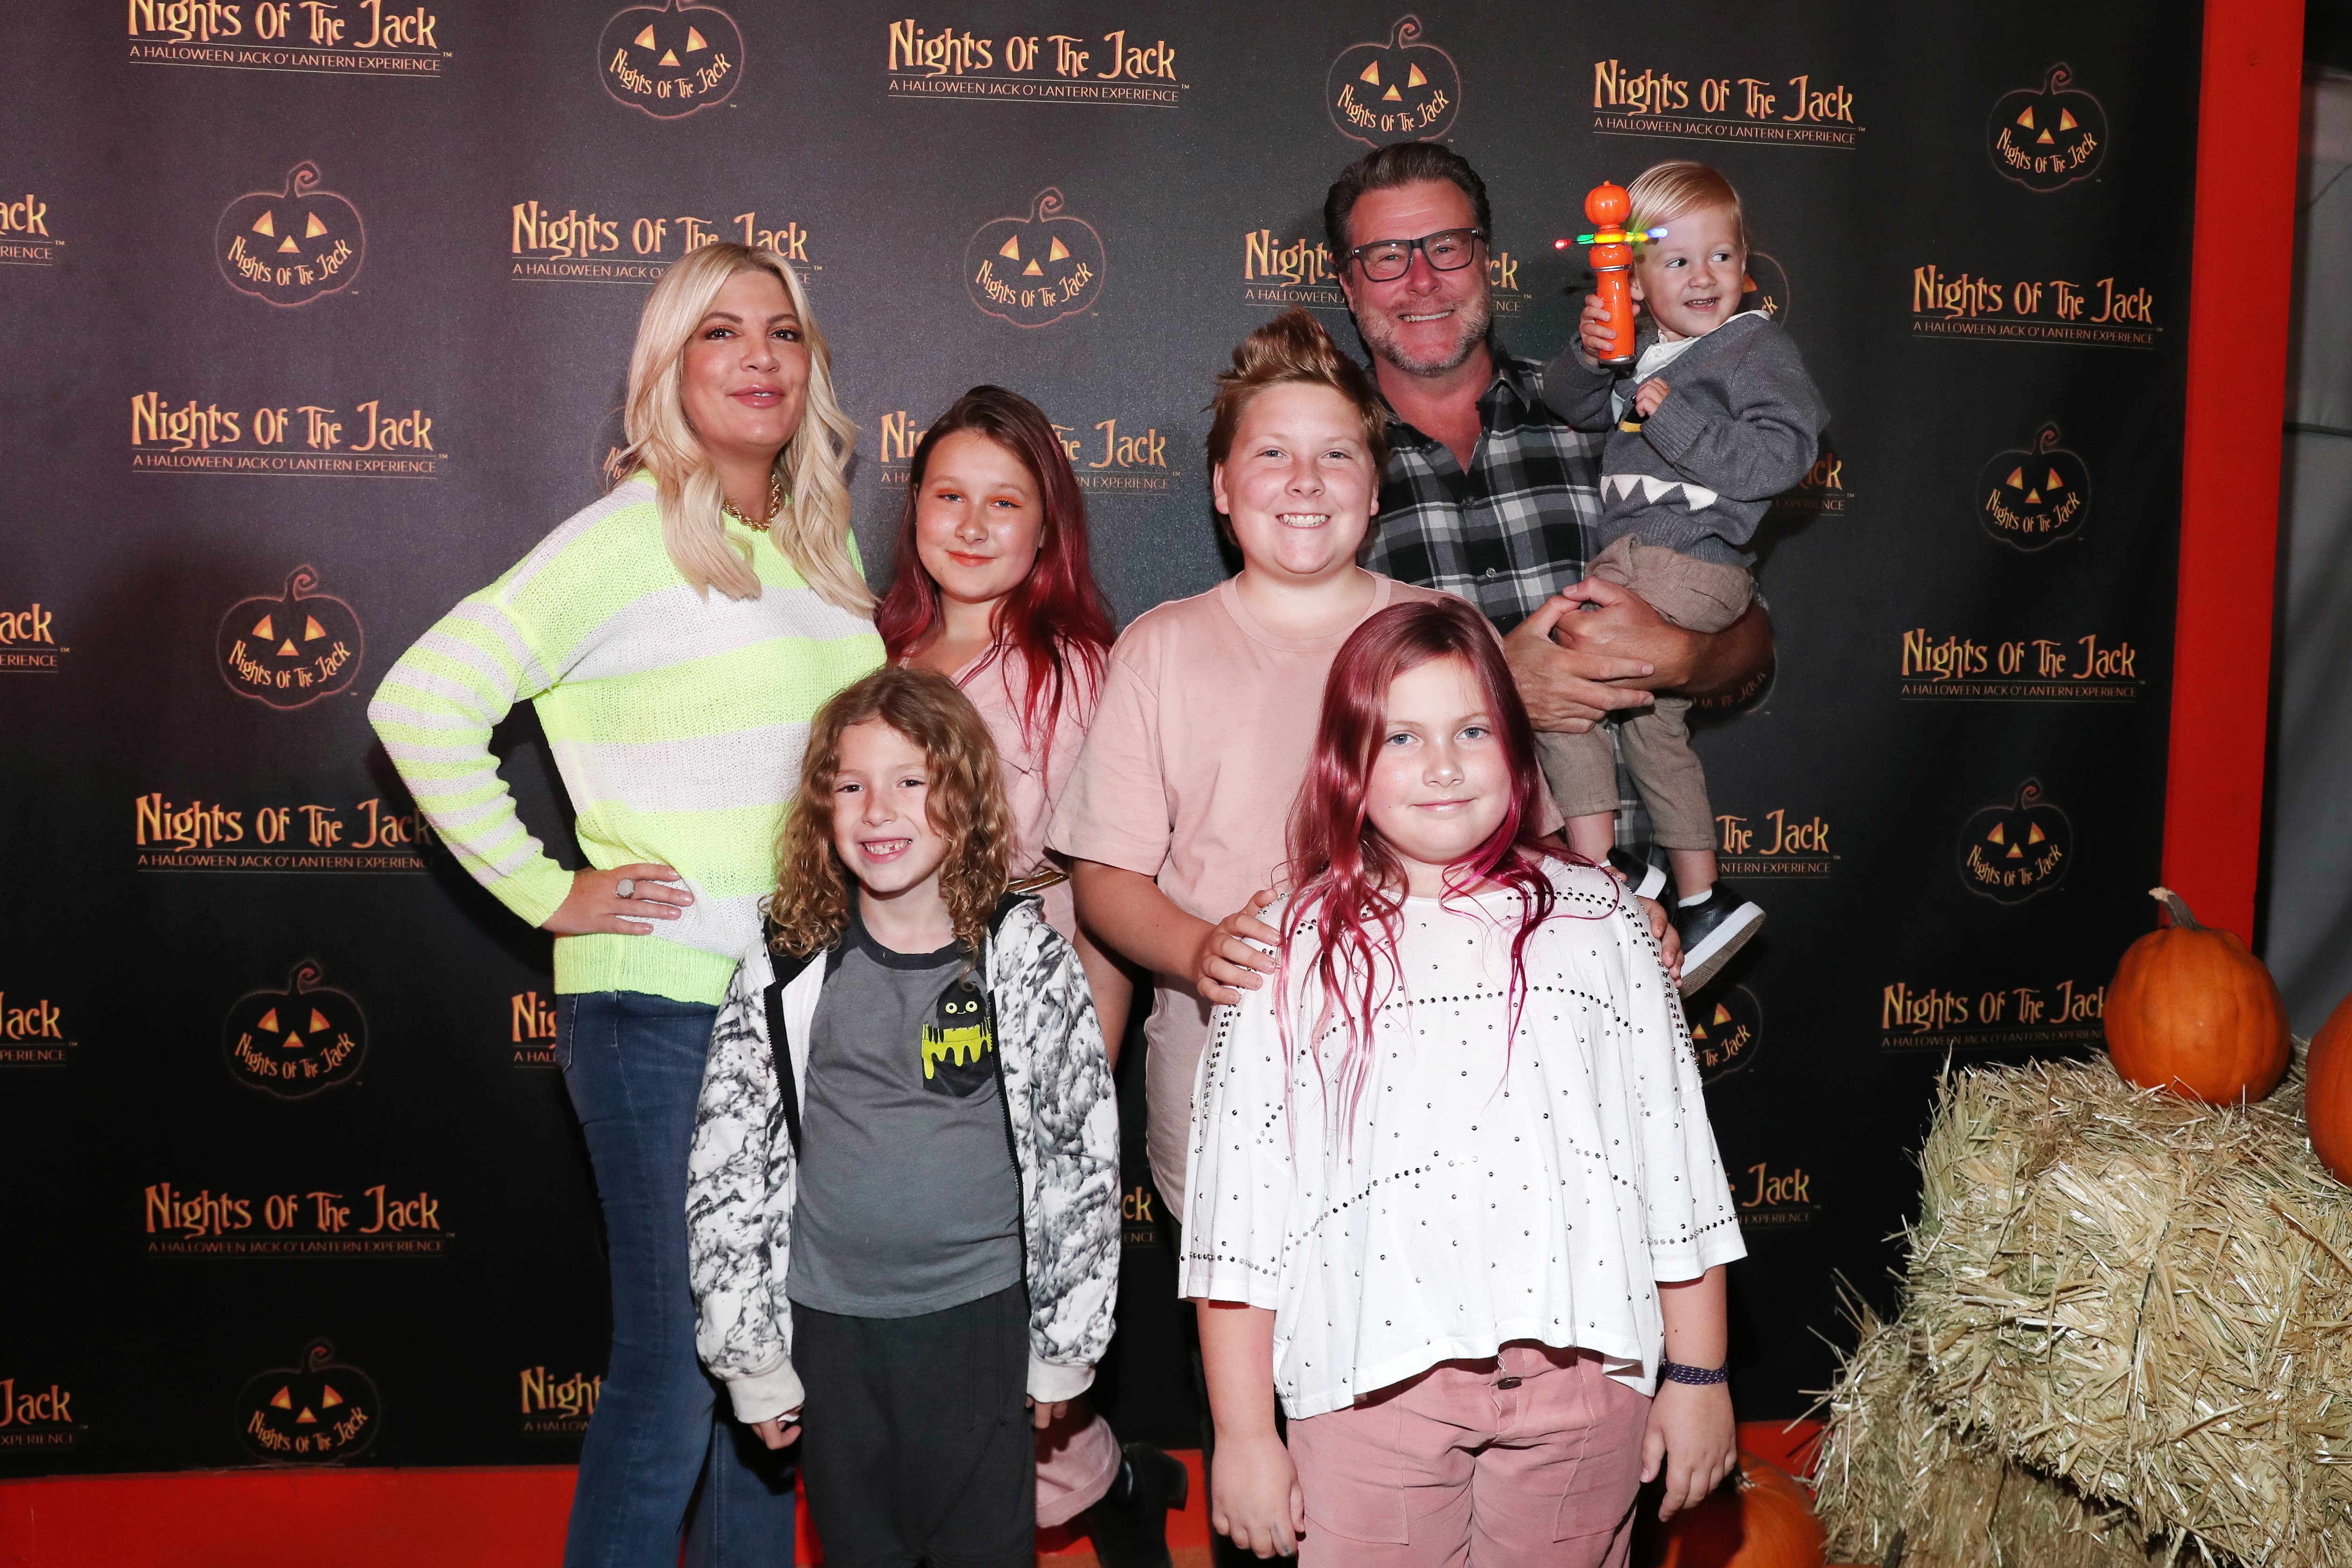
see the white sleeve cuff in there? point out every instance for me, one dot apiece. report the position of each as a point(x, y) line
point(1210, 1280)
point(766, 1395)
point(1050, 1384)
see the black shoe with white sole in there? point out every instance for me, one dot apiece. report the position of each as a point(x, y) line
point(1712, 931)
point(1644, 880)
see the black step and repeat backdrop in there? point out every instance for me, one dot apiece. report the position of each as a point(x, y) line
point(316, 318)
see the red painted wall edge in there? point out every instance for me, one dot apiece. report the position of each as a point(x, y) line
point(2249, 104)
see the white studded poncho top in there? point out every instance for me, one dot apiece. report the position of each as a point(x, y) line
point(1494, 1186)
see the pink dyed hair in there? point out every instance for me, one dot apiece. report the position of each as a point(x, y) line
point(1056, 617)
point(1349, 882)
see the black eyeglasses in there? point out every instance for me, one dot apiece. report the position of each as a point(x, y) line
point(1447, 250)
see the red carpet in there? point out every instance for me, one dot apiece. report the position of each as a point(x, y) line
point(510, 1518)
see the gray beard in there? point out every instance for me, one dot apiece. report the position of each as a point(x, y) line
point(1475, 316)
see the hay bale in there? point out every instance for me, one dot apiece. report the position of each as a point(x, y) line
point(2148, 1298)
point(1897, 1484)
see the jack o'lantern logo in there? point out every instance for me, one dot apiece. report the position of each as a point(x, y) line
point(1749, 695)
point(297, 1041)
point(2033, 497)
point(1766, 287)
point(291, 651)
point(290, 247)
point(1727, 1026)
point(1033, 271)
point(670, 59)
point(2018, 851)
point(313, 1412)
point(2047, 137)
point(1400, 90)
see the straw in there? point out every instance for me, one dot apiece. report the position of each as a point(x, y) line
point(1897, 1485)
point(2131, 1306)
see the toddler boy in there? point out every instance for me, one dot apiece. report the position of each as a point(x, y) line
point(1722, 418)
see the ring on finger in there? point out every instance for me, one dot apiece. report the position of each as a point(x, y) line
point(626, 887)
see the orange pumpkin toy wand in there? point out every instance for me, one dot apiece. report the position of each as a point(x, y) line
point(1612, 264)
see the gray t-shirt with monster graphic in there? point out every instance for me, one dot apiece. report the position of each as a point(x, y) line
point(908, 1201)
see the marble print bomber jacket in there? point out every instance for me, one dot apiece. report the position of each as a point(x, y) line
point(1057, 1087)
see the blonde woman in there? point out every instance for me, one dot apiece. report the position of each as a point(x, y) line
point(677, 638)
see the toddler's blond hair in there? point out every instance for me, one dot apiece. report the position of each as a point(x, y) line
point(1663, 192)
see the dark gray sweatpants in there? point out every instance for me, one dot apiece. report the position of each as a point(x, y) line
point(915, 1446)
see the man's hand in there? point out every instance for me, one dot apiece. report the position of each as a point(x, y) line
point(1692, 1437)
point(1652, 393)
point(1226, 963)
point(1568, 689)
point(1619, 623)
point(783, 1429)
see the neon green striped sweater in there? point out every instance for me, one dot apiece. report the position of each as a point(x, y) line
point(678, 723)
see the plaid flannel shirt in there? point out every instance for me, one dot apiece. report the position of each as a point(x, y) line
point(1510, 533)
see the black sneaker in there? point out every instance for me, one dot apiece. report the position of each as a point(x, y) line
point(1712, 931)
point(1642, 879)
point(1130, 1526)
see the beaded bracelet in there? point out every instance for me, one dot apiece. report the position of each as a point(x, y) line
point(1676, 1371)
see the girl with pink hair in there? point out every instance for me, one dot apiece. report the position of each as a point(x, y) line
point(1452, 1197)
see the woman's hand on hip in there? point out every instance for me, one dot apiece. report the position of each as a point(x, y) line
point(1254, 1496)
point(783, 1429)
point(595, 904)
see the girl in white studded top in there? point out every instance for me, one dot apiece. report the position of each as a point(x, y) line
point(1451, 1193)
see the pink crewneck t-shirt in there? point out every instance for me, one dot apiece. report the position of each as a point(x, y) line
point(1035, 776)
point(1198, 749)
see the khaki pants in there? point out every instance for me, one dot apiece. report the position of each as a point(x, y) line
point(1698, 596)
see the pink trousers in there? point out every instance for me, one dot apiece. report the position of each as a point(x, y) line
point(1530, 1458)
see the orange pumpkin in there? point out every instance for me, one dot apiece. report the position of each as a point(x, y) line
point(2327, 1091)
point(1763, 1519)
point(2190, 1009)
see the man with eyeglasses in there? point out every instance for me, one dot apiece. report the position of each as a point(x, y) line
point(1488, 494)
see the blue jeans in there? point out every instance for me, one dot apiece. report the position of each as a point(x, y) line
point(660, 1443)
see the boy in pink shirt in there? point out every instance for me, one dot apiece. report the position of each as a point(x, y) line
point(1174, 815)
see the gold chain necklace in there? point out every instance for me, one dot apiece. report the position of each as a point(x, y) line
point(777, 501)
